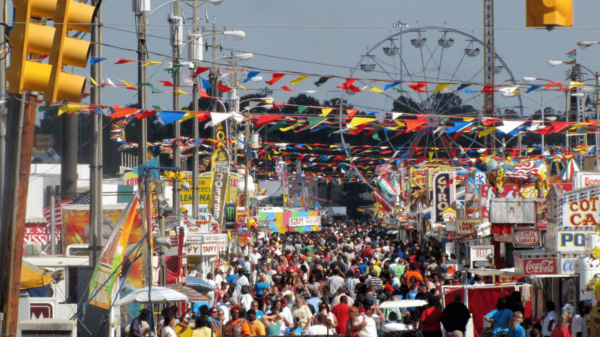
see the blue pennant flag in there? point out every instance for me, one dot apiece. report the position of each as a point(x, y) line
point(387, 86)
point(251, 75)
point(205, 83)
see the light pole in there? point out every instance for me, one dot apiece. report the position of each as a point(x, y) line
point(584, 45)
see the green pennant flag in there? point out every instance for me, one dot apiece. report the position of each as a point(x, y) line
point(173, 68)
point(301, 109)
point(462, 86)
point(596, 89)
point(148, 84)
point(321, 81)
point(278, 126)
point(158, 107)
point(376, 133)
point(313, 122)
point(399, 89)
point(444, 120)
point(265, 89)
point(42, 108)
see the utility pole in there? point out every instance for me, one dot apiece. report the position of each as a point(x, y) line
point(176, 41)
point(96, 238)
point(598, 120)
point(196, 132)
point(2, 113)
point(142, 125)
point(489, 56)
point(218, 132)
point(21, 129)
point(247, 170)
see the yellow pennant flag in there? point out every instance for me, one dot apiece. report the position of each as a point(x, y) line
point(376, 90)
point(486, 132)
point(308, 146)
point(325, 112)
point(127, 83)
point(441, 87)
point(430, 155)
point(470, 119)
point(179, 92)
point(92, 80)
point(356, 121)
point(187, 116)
point(291, 127)
point(239, 85)
point(69, 107)
point(299, 79)
point(151, 63)
point(576, 84)
point(530, 150)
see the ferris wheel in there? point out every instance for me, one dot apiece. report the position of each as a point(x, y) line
point(434, 55)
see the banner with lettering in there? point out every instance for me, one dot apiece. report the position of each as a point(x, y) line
point(220, 181)
point(111, 257)
point(444, 191)
point(76, 223)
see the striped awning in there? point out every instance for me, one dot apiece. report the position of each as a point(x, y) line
point(193, 295)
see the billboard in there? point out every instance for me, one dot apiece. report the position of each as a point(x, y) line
point(444, 191)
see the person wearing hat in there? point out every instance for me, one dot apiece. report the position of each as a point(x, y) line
point(233, 328)
point(373, 266)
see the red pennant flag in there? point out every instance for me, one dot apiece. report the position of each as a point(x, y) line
point(552, 84)
point(203, 94)
point(223, 88)
point(277, 105)
point(276, 77)
point(122, 112)
point(417, 86)
point(412, 124)
point(559, 126)
point(121, 61)
point(351, 112)
point(145, 114)
point(488, 89)
point(199, 71)
point(203, 116)
point(358, 129)
point(167, 83)
point(348, 84)
point(354, 88)
point(489, 121)
point(285, 88)
point(266, 119)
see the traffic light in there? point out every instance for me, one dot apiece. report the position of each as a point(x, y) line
point(549, 13)
point(28, 38)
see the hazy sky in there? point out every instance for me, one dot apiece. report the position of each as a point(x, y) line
point(329, 36)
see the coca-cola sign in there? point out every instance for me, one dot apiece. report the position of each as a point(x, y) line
point(526, 237)
point(547, 266)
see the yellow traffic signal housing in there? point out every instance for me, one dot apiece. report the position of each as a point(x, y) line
point(549, 13)
point(28, 38)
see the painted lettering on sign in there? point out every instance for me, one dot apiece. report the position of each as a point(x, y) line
point(583, 212)
point(568, 266)
point(526, 237)
point(442, 194)
point(466, 226)
point(571, 241)
point(539, 266)
point(209, 249)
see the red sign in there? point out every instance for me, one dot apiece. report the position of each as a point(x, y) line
point(467, 226)
point(41, 310)
point(43, 142)
point(39, 234)
point(540, 266)
point(526, 237)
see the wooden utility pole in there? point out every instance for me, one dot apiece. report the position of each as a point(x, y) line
point(21, 129)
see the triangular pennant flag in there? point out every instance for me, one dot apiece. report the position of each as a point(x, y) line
point(412, 124)
point(321, 81)
point(199, 71)
point(356, 121)
point(325, 112)
point(205, 83)
point(121, 61)
point(486, 132)
point(313, 121)
point(463, 86)
point(96, 60)
point(418, 86)
point(375, 133)
point(151, 63)
point(391, 85)
point(173, 69)
point(285, 88)
point(110, 83)
point(400, 90)
point(278, 126)
point(127, 83)
point(167, 83)
point(266, 119)
point(217, 118)
point(532, 88)
point(301, 109)
point(348, 84)
point(290, 127)
point(169, 117)
point(509, 126)
point(351, 112)
point(92, 79)
point(223, 88)
point(441, 87)
point(250, 75)
point(276, 77)
point(396, 114)
point(299, 79)
point(179, 92)
point(376, 90)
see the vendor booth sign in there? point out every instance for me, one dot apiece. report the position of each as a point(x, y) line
point(584, 179)
point(526, 237)
point(444, 191)
point(466, 226)
point(568, 263)
point(480, 256)
point(536, 262)
point(579, 208)
point(562, 240)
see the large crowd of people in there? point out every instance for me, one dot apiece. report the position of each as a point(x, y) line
point(334, 282)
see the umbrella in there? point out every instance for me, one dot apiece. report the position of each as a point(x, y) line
point(199, 284)
point(403, 304)
point(570, 169)
point(193, 295)
point(159, 295)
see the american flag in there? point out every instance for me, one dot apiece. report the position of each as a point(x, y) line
point(81, 199)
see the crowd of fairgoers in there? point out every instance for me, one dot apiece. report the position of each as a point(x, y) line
point(334, 282)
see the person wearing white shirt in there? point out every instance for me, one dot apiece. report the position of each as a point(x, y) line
point(247, 299)
point(318, 327)
point(218, 277)
point(368, 327)
point(550, 320)
point(254, 257)
point(241, 280)
point(225, 306)
point(578, 327)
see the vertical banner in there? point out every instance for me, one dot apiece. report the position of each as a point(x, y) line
point(444, 191)
point(112, 256)
point(220, 182)
point(487, 194)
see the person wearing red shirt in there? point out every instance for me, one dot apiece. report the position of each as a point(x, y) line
point(431, 318)
point(341, 314)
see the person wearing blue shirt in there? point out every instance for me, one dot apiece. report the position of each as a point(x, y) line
point(514, 328)
point(230, 278)
point(262, 286)
point(412, 294)
point(499, 317)
point(363, 267)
